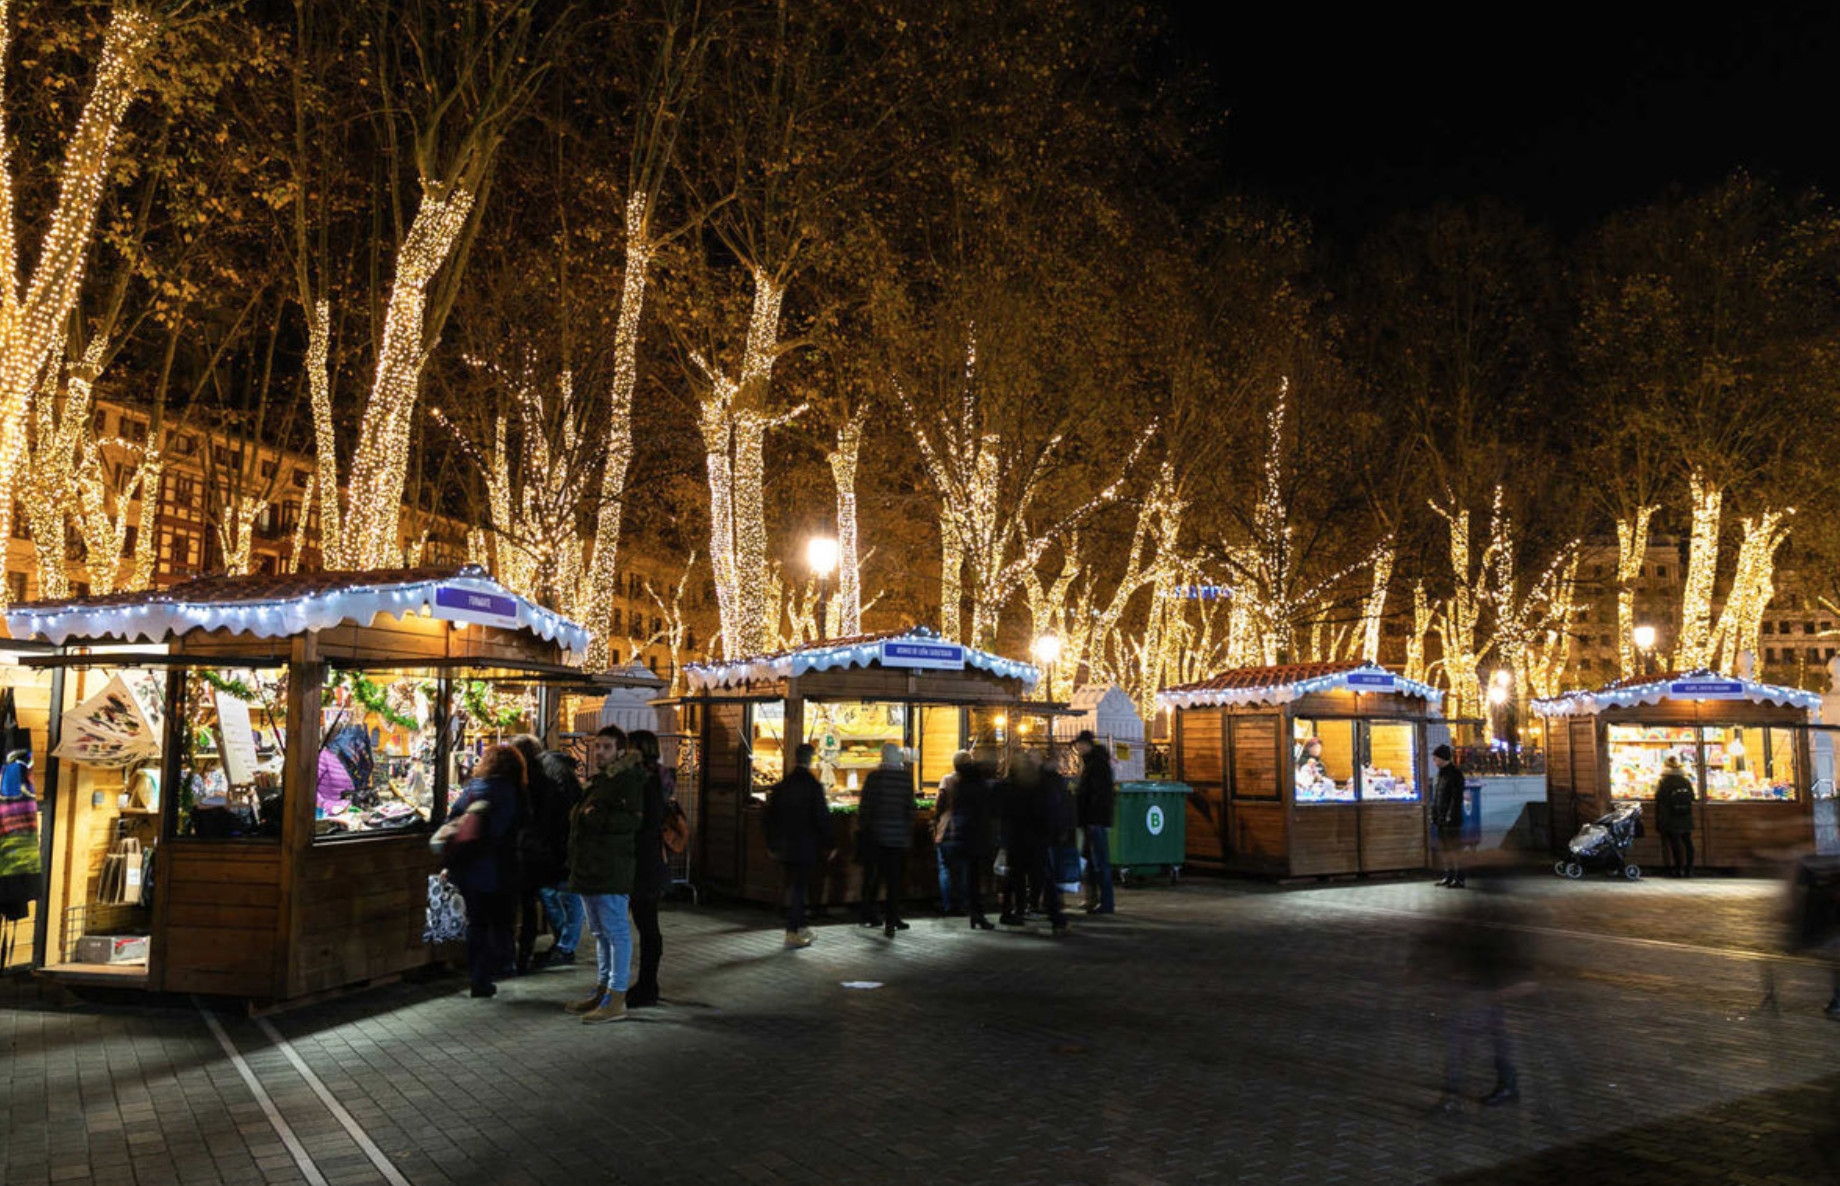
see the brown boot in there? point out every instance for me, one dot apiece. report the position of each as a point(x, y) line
point(588, 1004)
point(612, 1009)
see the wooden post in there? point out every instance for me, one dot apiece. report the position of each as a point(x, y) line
point(306, 676)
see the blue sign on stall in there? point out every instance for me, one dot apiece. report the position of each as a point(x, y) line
point(458, 604)
point(934, 656)
point(1372, 681)
point(1707, 689)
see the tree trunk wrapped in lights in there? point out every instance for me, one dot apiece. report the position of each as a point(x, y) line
point(1456, 625)
point(1693, 648)
point(846, 603)
point(325, 441)
point(1421, 627)
point(1631, 551)
point(1375, 612)
point(30, 324)
point(380, 466)
point(1753, 586)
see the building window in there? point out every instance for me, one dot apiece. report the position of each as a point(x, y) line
point(133, 431)
point(1769, 628)
point(22, 529)
point(300, 479)
point(184, 445)
point(267, 566)
point(129, 538)
point(16, 586)
point(268, 469)
point(99, 422)
point(616, 617)
point(1769, 654)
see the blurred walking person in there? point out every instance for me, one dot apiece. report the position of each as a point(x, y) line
point(1480, 956)
point(1096, 797)
point(886, 817)
point(1674, 799)
point(602, 865)
point(1030, 813)
point(651, 874)
point(1447, 815)
point(798, 822)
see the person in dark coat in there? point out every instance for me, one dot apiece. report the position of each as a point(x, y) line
point(543, 855)
point(1674, 799)
point(651, 875)
point(603, 863)
point(886, 819)
point(1095, 796)
point(486, 873)
point(1035, 816)
point(798, 822)
point(1447, 815)
point(1481, 959)
point(961, 833)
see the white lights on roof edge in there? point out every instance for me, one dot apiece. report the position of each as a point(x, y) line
point(160, 617)
point(857, 654)
point(1587, 703)
point(1287, 691)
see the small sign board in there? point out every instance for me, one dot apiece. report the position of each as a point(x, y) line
point(455, 603)
point(933, 656)
point(1372, 681)
point(1707, 689)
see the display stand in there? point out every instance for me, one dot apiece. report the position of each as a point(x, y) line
point(1263, 802)
point(1744, 745)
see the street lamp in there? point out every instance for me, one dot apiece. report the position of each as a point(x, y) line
point(1047, 651)
point(1644, 638)
point(821, 558)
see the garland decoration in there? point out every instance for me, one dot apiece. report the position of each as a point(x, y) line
point(372, 697)
point(473, 697)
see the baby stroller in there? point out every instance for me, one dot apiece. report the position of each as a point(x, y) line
point(1602, 843)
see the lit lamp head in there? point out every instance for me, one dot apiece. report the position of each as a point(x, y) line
point(1498, 693)
point(821, 556)
point(1047, 649)
point(1644, 637)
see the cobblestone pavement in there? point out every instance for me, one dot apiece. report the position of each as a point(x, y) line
point(1219, 1032)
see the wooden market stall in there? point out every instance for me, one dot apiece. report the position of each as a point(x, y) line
point(243, 769)
point(1743, 744)
point(742, 720)
point(1265, 799)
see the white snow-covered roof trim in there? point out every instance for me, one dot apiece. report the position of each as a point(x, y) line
point(1691, 686)
point(1249, 686)
point(164, 614)
point(905, 648)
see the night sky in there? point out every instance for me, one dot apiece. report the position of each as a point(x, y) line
point(1352, 114)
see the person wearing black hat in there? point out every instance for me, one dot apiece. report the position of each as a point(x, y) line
point(1093, 801)
point(1447, 815)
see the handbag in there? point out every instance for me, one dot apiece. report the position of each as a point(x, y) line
point(446, 912)
point(456, 841)
point(1001, 867)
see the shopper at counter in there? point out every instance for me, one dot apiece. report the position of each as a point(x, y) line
point(1032, 820)
point(1674, 798)
point(961, 833)
point(543, 855)
point(602, 864)
point(1095, 798)
point(651, 875)
point(1447, 815)
point(886, 817)
point(798, 823)
point(483, 866)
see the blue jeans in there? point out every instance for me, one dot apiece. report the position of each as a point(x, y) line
point(951, 868)
point(612, 937)
point(565, 915)
point(1099, 865)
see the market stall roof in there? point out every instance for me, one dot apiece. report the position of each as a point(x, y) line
point(280, 606)
point(1285, 683)
point(1701, 684)
point(915, 647)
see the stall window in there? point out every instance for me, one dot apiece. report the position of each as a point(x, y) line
point(939, 741)
point(232, 736)
point(1323, 761)
point(1390, 774)
point(767, 743)
point(988, 734)
point(849, 736)
point(378, 752)
point(1747, 764)
point(1637, 752)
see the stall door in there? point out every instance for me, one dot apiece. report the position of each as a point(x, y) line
point(1391, 807)
point(725, 782)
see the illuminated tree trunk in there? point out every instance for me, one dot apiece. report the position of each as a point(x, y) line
point(29, 327)
point(846, 602)
point(1740, 624)
point(603, 570)
point(1457, 625)
point(951, 573)
point(716, 422)
point(1421, 626)
point(1694, 649)
point(1376, 604)
point(1631, 551)
point(381, 464)
point(325, 442)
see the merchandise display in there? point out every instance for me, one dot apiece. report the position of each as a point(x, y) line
point(230, 767)
point(1637, 752)
point(849, 739)
point(1322, 756)
point(377, 753)
point(1742, 765)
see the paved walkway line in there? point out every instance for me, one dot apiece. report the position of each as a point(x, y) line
point(1743, 953)
point(378, 1158)
point(275, 1119)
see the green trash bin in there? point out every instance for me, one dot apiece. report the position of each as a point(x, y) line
point(1149, 828)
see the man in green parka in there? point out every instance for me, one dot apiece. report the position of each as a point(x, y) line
point(602, 862)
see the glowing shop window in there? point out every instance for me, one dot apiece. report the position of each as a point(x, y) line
point(1638, 751)
point(1390, 774)
point(849, 736)
point(1749, 764)
point(1323, 761)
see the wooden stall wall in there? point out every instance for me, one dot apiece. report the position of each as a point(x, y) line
point(1201, 764)
point(1256, 812)
point(217, 918)
point(1559, 782)
point(725, 791)
point(359, 907)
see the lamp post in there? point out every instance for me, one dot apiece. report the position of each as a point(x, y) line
point(1047, 651)
point(821, 558)
point(1644, 638)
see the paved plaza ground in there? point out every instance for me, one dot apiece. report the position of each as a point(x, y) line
point(1217, 1032)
